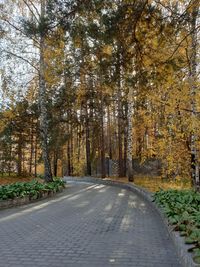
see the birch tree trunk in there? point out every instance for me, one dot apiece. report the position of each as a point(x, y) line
point(72, 150)
point(68, 158)
point(129, 167)
point(120, 114)
point(88, 147)
point(35, 156)
point(42, 103)
point(103, 170)
point(31, 148)
point(193, 90)
point(109, 134)
point(125, 136)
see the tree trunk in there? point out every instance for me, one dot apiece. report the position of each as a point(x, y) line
point(68, 159)
point(35, 158)
point(193, 90)
point(31, 149)
point(109, 135)
point(42, 103)
point(119, 110)
point(68, 152)
point(120, 158)
point(19, 155)
point(71, 150)
point(23, 162)
point(10, 159)
point(79, 129)
point(88, 152)
point(103, 169)
point(115, 135)
point(130, 137)
point(55, 163)
point(125, 138)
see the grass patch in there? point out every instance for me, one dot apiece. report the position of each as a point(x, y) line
point(182, 207)
point(31, 189)
point(154, 184)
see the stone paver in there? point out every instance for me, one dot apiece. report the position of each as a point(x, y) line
point(87, 225)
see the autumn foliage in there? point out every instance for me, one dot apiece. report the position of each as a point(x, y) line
point(120, 83)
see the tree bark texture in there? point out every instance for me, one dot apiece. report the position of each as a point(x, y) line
point(31, 148)
point(130, 137)
point(103, 168)
point(88, 149)
point(19, 155)
point(193, 89)
point(42, 102)
point(119, 110)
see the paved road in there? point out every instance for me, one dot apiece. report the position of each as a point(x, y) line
point(88, 225)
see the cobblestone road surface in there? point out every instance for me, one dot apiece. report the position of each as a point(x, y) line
point(87, 225)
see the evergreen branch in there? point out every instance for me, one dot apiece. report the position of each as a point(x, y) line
point(22, 32)
point(69, 14)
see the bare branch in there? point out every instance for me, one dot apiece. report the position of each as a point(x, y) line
point(20, 57)
point(180, 43)
point(30, 81)
point(33, 5)
point(169, 105)
point(31, 10)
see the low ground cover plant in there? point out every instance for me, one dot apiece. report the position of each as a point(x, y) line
point(182, 207)
point(31, 189)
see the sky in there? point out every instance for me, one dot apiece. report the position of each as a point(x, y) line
point(14, 47)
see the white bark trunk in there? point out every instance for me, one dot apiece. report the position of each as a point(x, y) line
point(193, 90)
point(129, 167)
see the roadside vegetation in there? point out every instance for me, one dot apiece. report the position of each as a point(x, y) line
point(33, 189)
point(182, 208)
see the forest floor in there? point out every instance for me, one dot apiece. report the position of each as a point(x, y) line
point(14, 179)
point(9, 180)
point(154, 184)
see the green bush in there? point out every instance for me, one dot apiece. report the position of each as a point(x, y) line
point(183, 211)
point(31, 189)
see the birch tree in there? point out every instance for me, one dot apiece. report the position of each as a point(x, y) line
point(194, 91)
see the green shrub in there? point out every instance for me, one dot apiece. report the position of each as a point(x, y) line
point(32, 189)
point(183, 211)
